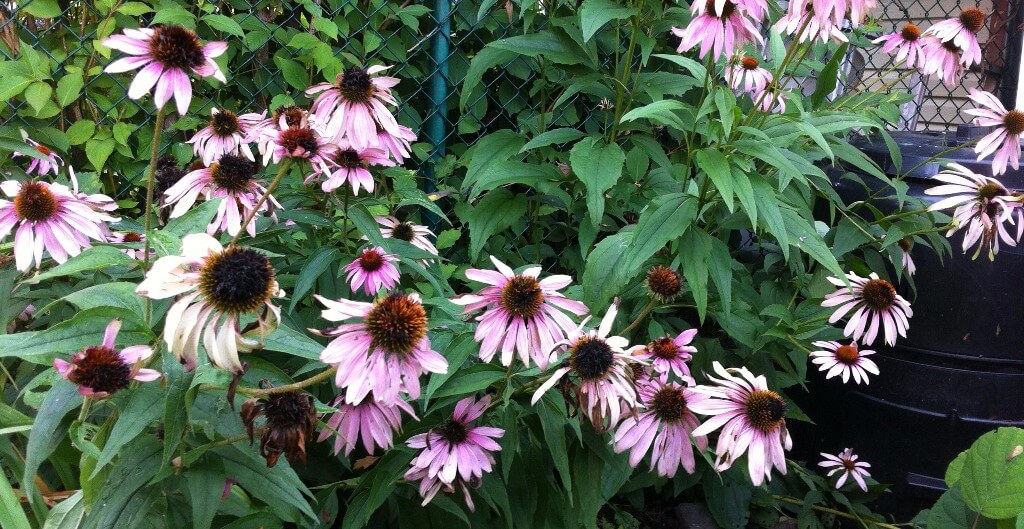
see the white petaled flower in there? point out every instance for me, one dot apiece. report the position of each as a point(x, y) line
point(227, 133)
point(847, 463)
point(906, 44)
point(745, 75)
point(415, 234)
point(962, 33)
point(1007, 125)
point(846, 360)
point(983, 208)
point(218, 287)
point(130, 237)
point(873, 305)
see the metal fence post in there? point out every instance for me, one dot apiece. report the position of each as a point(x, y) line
point(438, 91)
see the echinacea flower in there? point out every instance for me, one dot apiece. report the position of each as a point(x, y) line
point(397, 146)
point(166, 54)
point(874, 304)
point(454, 452)
point(982, 208)
point(227, 133)
point(802, 18)
point(720, 28)
point(847, 463)
point(906, 43)
point(1007, 125)
point(385, 352)
point(961, 32)
point(771, 99)
point(290, 419)
point(373, 270)
point(747, 76)
point(350, 165)
point(752, 418)
point(663, 283)
point(300, 142)
point(40, 167)
point(521, 313)
point(130, 237)
point(168, 172)
point(846, 360)
point(355, 105)
point(392, 228)
point(600, 367)
point(218, 287)
point(232, 179)
point(370, 421)
point(670, 355)
point(905, 259)
point(941, 59)
point(666, 421)
point(101, 370)
point(52, 218)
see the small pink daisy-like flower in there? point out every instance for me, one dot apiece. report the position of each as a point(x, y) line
point(521, 313)
point(746, 75)
point(39, 167)
point(962, 33)
point(51, 218)
point(411, 233)
point(166, 55)
point(847, 463)
point(1004, 140)
point(131, 237)
point(101, 370)
point(664, 420)
point(351, 165)
point(373, 271)
point(299, 141)
point(670, 355)
point(372, 422)
point(231, 178)
point(354, 106)
point(720, 27)
point(397, 146)
point(601, 366)
point(454, 452)
point(982, 208)
point(802, 15)
point(218, 286)
point(770, 100)
point(385, 353)
point(874, 304)
point(906, 44)
point(845, 360)
point(752, 418)
point(227, 133)
point(941, 59)
point(906, 260)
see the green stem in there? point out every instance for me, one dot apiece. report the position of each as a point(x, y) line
point(643, 314)
point(797, 501)
point(282, 169)
point(84, 411)
point(256, 392)
point(344, 221)
point(154, 154)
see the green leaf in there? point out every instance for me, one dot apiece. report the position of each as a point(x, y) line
point(83, 330)
point(12, 516)
point(287, 340)
point(694, 247)
point(955, 469)
point(42, 8)
point(553, 45)
point(118, 294)
point(551, 413)
point(13, 86)
point(665, 219)
point(66, 514)
point(80, 131)
point(315, 266)
point(661, 112)
point(552, 137)
point(68, 88)
point(598, 166)
point(94, 258)
point(98, 150)
point(992, 480)
point(47, 434)
point(125, 498)
point(143, 407)
point(494, 213)
point(223, 23)
point(808, 241)
point(195, 221)
point(728, 501)
point(304, 41)
point(950, 512)
point(496, 147)
point(38, 94)
point(716, 166)
point(470, 380)
point(294, 73)
point(488, 58)
point(176, 405)
point(134, 9)
point(826, 82)
point(204, 489)
point(605, 270)
point(457, 352)
point(594, 14)
point(769, 211)
point(174, 14)
point(278, 487)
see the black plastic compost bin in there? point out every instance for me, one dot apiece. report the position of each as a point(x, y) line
point(960, 371)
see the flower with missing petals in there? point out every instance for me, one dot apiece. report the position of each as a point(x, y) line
point(846, 360)
point(941, 59)
point(982, 208)
point(663, 283)
point(962, 33)
point(102, 370)
point(348, 165)
point(745, 75)
point(290, 419)
point(300, 141)
point(40, 167)
point(130, 237)
point(227, 133)
point(905, 259)
point(418, 236)
point(720, 27)
point(873, 305)
point(847, 463)
point(670, 355)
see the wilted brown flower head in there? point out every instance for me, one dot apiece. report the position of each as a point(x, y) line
point(664, 283)
point(289, 421)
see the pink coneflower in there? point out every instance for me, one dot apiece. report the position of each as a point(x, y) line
point(385, 353)
point(847, 463)
point(130, 237)
point(666, 421)
point(454, 452)
point(40, 167)
point(301, 142)
point(101, 370)
point(906, 44)
point(353, 107)
point(51, 218)
point(747, 76)
point(720, 27)
point(231, 178)
point(521, 313)
point(962, 33)
point(825, 27)
point(905, 259)
point(770, 100)
point(373, 271)
point(1004, 140)
point(941, 59)
point(351, 165)
point(663, 283)
point(397, 146)
point(846, 360)
point(752, 418)
point(601, 368)
point(874, 303)
point(217, 286)
point(372, 422)
point(166, 55)
point(981, 207)
point(670, 355)
point(227, 133)
point(411, 233)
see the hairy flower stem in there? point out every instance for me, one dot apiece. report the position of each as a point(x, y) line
point(257, 392)
point(282, 169)
point(639, 318)
point(154, 154)
point(84, 411)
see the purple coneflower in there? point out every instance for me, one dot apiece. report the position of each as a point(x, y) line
point(905, 259)
point(846, 360)
point(666, 421)
point(290, 420)
point(824, 27)
point(962, 33)
point(906, 43)
point(299, 141)
point(397, 146)
point(1004, 140)
point(130, 237)
point(166, 55)
point(874, 303)
point(350, 165)
point(52, 218)
point(981, 208)
point(847, 463)
point(101, 370)
point(231, 178)
point(752, 418)
point(454, 452)
point(40, 167)
point(601, 366)
point(663, 283)
point(745, 75)
point(941, 59)
point(411, 233)
point(373, 270)
point(521, 313)
point(385, 352)
point(720, 27)
point(372, 422)
point(670, 355)
point(227, 133)
point(220, 286)
point(354, 106)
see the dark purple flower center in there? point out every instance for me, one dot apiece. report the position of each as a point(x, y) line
point(905, 244)
point(972, 18)
point(727, 9)
point(298, 141)
point(452, 431)
point(910, 32)
point(371, 260)
point(990, 190)
point(232, 173)
point(591, 358)
point(765, 410)
point(224, 123)
point(664, 347)
point(397, 324)
point(348, 158)
point(292, 115)
point(847, 354)
point(951, 46)
point(237, 280)
point(403, 231)
point(176, 47)
point(1014, 122)
point(522, 296)
point(132, 236)
point(669, 404)
point(879, 295)
point(35, 202)
point(848, 464)
point(168, 172)
point(101, 369)
point(44, 150)
point(355, 84)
